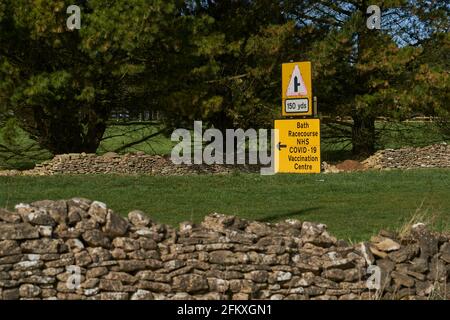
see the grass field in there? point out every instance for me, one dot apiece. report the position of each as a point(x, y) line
point(392, 135)
point(25, 152)
point(355, 206)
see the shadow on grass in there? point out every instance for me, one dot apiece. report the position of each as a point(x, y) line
point(287, 215)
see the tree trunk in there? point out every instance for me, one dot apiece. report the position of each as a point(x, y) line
point(363, 135)
point(95, 130)
point(363, 130)
point(61, 131)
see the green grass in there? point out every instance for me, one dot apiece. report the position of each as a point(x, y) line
point(394, 135)
point(391, 135)
point(355, 206)
point(24, 153)
point(117, 136)
point(19, 151)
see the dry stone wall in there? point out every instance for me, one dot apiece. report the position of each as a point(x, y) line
point(80, 249)
point(127, 164)
point(434, 156)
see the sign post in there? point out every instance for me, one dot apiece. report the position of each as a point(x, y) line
point(297, 144)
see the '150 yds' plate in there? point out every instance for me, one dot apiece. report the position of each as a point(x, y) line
point(296, 105)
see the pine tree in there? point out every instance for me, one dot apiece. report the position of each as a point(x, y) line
point(229, 72)
point(61, 85)
point(365, 73)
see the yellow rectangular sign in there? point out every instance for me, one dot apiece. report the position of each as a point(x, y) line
point(296, 89)
point(297, 146)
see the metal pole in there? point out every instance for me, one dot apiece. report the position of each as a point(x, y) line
point(315, 114)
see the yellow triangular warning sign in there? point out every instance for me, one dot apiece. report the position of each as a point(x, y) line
point(296, 85)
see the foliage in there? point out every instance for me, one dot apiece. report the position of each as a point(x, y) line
point(217, 61)
point(228, 75)
point(61, 85)
point(365, 73)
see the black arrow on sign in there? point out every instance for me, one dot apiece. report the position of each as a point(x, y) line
point(296, 84)
point(280, 146)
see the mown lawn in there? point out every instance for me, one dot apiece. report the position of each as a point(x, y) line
point(354, 205)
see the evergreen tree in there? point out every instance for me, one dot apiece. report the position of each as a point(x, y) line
point(61, 85)
point(365, 73)
point(228, 74)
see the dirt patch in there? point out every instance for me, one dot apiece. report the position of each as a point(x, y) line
point(350, 165)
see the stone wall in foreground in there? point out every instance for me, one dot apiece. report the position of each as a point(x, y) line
point(80, 249)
